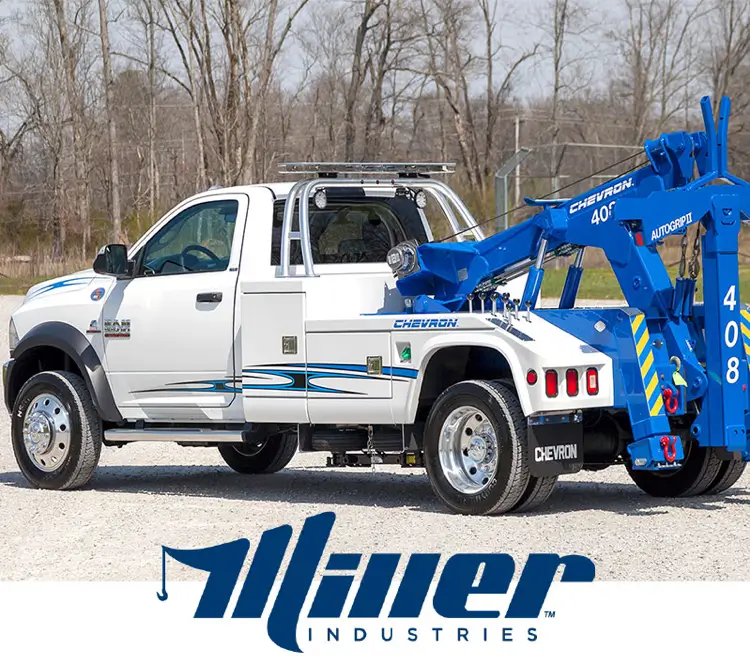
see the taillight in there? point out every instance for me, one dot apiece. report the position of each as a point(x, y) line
point(531, 377)
point(571, 382)
point(592, 381)
point(550, 382)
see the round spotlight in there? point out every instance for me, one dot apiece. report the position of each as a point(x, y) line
point(320, 199)
point(402, 259)
point(420, 198)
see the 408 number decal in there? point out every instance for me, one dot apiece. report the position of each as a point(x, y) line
point(731, 336)
point(602, 213)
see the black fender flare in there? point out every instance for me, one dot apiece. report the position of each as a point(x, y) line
point(73, 343)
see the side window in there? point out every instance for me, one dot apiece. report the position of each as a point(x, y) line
point(198, 239)
point(346, 231)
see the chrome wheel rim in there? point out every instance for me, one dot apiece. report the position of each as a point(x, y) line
point(46, 432)
point(468, 449)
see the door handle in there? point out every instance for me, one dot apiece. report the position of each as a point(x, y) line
point(209, 297)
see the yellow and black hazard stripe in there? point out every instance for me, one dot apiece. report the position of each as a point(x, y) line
point(646, 362)
point(745, 326)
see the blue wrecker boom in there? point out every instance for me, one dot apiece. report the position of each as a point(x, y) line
point(693, 356)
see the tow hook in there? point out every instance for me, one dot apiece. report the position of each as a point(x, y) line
point(669, 445)
point(671, 402)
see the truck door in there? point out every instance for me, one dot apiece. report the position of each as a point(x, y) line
point(349, 360)
point(169, 332)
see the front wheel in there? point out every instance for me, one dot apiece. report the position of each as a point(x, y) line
point(475, 448)
point(267, 456)
point(56, 432)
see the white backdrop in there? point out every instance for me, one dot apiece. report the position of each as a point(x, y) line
point(594, 622)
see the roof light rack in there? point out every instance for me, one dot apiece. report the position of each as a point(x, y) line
point(332, 169)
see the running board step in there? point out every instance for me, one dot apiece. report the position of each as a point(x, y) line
point(209, 436)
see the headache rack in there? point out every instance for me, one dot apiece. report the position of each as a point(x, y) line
point(411, 178)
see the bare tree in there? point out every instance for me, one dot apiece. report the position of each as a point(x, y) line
point(449, 27)
point(728, 51)
point(41, 78)
point(496, 94)
point(561, 20)
point(146, 17)
point(114, 168)
point(273, 43)
point(358, 72)
point(180, 18)
point(70, 49)
point(654, 46)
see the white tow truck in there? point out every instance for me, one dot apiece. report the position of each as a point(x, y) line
point(265, 319)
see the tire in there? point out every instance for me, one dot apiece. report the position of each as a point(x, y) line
point(499, 432)
point(537, 491)
point(56, 432)
point(270, 456)
point(729, 473)
point(698, 472)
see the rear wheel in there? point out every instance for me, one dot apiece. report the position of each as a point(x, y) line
point(537, 491)
point(267, 456)
point(699, 470)
point(475, 448)
point(729, 473)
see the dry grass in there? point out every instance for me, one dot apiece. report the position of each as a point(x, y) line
point(19, 273)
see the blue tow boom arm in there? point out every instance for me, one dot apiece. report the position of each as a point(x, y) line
point(627, 218)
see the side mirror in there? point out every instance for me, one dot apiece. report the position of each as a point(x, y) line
point(112, 259)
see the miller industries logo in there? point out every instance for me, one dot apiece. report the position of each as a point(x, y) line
point(464, 575)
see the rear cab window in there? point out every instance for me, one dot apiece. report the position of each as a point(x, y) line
point(352, 228)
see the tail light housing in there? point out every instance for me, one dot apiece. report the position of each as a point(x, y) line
point(550, 383)
point(571, 382)
point(592, 381)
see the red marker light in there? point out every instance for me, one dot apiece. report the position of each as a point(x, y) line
point(639, 239)
point(592, 381)
point(571, 382)
point(550, 382)
point(531, 377)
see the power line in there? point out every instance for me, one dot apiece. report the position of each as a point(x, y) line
point(556, 191)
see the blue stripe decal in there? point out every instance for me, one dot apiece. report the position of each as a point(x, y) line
point(301, 377)
point(65, 283)
point(399, 372)
point(218, 386)
point(299, 381)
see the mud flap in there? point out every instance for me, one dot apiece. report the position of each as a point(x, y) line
point(555, 449)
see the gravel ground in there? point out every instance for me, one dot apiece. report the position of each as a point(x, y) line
point(146, 495)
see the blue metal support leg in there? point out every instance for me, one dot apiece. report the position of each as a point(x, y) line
point(721, 422)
